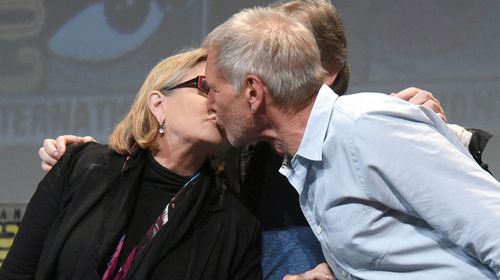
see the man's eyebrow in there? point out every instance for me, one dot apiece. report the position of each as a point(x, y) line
point(209, 82)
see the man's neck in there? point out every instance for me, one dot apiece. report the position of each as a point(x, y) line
point(287, 128)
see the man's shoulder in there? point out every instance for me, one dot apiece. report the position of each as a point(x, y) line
point(372, 104)
point(357, 104)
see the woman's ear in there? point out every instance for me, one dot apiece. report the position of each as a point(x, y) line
point(155, 104)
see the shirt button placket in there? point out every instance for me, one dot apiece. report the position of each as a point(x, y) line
point(319, 230)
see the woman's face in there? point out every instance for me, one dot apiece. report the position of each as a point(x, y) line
point(187, 117)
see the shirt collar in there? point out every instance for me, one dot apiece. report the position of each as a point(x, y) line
point(311, 146)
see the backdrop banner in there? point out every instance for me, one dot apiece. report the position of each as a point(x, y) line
point(10, 218)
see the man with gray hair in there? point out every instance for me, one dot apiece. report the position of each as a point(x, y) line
point(387, 188)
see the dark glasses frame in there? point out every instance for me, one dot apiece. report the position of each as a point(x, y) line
point(197, 82)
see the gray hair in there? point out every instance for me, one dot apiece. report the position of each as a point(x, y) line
point(277, 48)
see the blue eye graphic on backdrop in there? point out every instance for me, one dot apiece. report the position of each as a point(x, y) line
point(106, 31)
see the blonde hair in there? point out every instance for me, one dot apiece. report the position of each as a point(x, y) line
point(268, 43)
point(324, 21)
point(140, 127)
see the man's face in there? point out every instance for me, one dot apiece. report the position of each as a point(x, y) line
point(232, 111)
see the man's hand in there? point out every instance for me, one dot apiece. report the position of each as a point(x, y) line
point(53, 149)
point(422, 97)
point(320, 272)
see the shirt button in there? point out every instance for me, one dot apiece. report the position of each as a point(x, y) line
point(319, 230)
point(344, 273)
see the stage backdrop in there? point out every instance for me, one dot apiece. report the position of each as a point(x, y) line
point(74, 67)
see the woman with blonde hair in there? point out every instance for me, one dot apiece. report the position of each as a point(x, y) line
point(148, 205)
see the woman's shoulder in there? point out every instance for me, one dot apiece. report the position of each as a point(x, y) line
point(226, 200)
point(235, 209)
point(90, 151)
point(90, 154)
point(81, 158)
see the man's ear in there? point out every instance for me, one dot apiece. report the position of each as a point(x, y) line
point(155, 104)
point(331, 75)
point(255, 92)
point(330, 78)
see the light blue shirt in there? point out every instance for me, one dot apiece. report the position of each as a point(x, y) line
point(391, 194)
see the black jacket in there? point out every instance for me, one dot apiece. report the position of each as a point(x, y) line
point(82, 207)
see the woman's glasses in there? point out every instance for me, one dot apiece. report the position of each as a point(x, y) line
point(197, 82)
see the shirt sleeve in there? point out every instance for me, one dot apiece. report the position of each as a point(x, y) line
point(427, 173)
point(44, 207)
point(463, 135)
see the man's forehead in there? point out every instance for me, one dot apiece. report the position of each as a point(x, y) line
point(212, 73)
point(210, 69)
point(211, 57)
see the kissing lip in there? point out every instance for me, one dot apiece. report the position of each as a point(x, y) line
point(212, 118)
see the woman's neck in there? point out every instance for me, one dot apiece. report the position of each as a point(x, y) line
point(184, 159)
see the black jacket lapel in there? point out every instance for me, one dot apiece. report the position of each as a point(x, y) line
point(120, 201)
